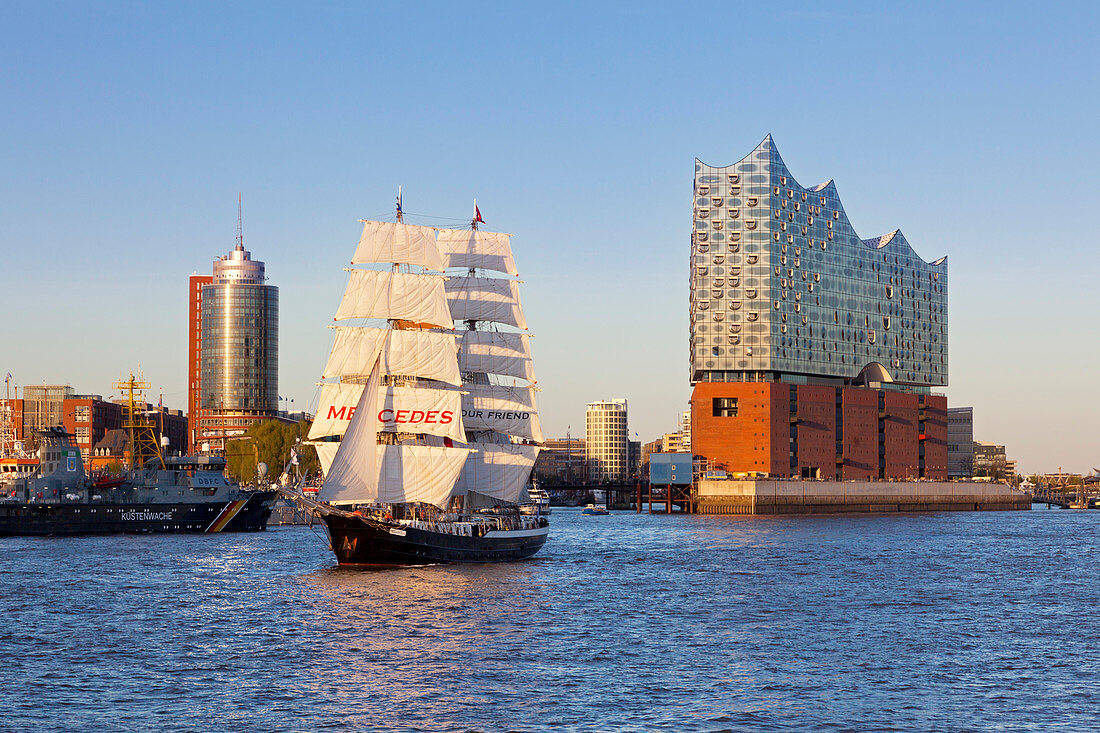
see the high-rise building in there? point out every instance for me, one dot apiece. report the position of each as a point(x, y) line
point(813, 352)
point(685, 431)
point(960, 442)
point(233, 358)
point(607, 441)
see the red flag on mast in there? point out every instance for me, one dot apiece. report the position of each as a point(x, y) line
point(477, 214)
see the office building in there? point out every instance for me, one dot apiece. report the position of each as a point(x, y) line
point(990, 460)
point(607, 445)
point(233, 355)
point(960, 442)
point(813, 352)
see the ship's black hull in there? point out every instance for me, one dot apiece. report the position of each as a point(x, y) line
point(357, 542)
point(111, 518)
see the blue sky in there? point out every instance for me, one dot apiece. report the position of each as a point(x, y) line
point(129, 128)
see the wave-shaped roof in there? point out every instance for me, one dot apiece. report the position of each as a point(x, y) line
point(895, 237)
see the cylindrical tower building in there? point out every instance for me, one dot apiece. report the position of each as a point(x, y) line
point(607, 445)
point(238, 350)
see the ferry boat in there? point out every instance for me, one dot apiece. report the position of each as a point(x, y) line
point(594, 510)
point(538, 504)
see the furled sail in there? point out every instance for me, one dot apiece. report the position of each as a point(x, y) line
point(353, 475)
point(500, 471)
point(507, 410)
point(384, 241)
point(409, 353)
point(485, 299)
point(412, 409)
point(395, 295)
point(493, 352)
point(473, 248)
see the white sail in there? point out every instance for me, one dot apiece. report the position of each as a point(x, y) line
point(508, 410)
point(500, 471)
point(472, 248)
point(409, 353)
point(493, 352)
point(353, 475)
point(326, 452)
point(413, 409)
point(395, 295)
point(485, 299)
point(384, 241)
point(419, 473)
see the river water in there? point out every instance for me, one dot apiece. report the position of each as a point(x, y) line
point(922, 622)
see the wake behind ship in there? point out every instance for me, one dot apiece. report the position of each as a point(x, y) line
point(430, 435)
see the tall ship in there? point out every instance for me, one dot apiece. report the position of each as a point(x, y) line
point(427, 429)
point(153, 494)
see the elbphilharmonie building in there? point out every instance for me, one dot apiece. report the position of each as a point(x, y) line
point(831, 341)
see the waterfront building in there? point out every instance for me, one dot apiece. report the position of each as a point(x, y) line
point(960, 442)
point(685, 431)
point(96, 424)
point(634, 458)
point(813, 352)
point(562, 461)
point(990, 460)
point(607, 444)
point(43, 407)
point(233, 349)
point(88, 418)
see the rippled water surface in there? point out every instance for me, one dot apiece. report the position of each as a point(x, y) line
point(630, 622)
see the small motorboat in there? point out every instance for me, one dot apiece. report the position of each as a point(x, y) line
point(594, 510)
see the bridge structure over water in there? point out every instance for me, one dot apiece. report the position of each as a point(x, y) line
point(1065, 496)
point(635, 493)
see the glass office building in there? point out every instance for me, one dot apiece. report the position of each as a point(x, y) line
point(783, 288)
point(234, 349)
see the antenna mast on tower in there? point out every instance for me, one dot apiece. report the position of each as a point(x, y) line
point(240, 224)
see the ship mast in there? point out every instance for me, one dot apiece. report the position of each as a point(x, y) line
point(7, 424)
point(139, 428)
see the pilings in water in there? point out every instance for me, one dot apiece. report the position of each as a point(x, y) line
point(668, 496)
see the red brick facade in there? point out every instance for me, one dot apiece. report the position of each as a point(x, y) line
point(194, 355)
point(814, 430)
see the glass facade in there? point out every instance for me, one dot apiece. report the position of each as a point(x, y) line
point(240, 355)
point(783, 288)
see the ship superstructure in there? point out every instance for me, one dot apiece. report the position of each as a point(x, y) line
point(155, 494)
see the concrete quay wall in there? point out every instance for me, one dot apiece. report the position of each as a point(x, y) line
point(825, 497)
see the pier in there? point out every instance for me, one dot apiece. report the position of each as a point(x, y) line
point(792, 496)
